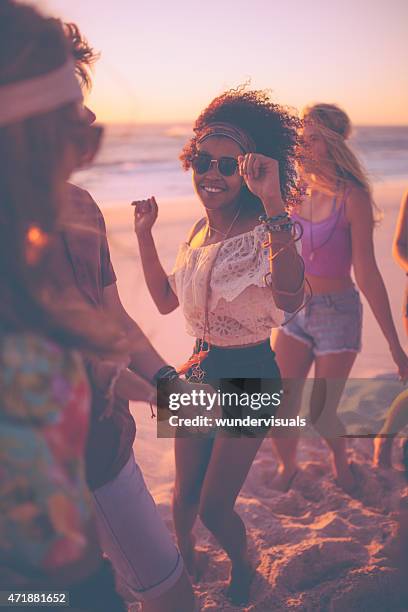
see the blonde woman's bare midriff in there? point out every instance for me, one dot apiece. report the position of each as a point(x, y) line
point(321, 285)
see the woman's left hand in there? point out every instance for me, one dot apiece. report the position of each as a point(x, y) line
point(401, 360)
point(261, 175)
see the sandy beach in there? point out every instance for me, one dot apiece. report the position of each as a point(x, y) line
point(315, 548)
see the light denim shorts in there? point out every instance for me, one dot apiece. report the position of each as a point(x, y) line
point(330, 323)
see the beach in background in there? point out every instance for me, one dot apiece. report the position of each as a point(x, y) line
point(316, 548)
point(137, 161)
point(142, 160)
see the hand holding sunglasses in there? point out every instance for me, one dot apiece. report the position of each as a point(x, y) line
point(261, 175)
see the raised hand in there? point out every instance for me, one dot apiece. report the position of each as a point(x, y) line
point(401, 361)
point(146, 212)
point(261, 175)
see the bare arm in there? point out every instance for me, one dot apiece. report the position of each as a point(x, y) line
point(144, 359)
point(261, 175)
point(156, 278)
point(367, 274)
point(400, 245)
point(287, 273)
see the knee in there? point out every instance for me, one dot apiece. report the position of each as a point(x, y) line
point(210, 513)
point(186, 495)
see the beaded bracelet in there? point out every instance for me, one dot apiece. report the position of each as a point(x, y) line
point(283, 227)
point(274, 218)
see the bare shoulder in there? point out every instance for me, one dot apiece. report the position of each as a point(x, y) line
point(359, 205)
point(197, 227)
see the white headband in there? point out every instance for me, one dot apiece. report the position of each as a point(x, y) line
point(42, 94)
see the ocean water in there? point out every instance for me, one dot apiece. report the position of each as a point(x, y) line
point(138, 161)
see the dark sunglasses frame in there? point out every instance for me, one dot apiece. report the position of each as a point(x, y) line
point(87, 138)
point(226, 166)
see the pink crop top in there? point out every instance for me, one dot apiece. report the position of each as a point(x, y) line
point(326, 244)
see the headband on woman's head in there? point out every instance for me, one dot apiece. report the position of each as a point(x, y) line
point(219, 128)
point(30, 97)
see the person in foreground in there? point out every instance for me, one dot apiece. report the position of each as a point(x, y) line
point(397, 417)
point(131, 531)
point(242, 156)
point(337, 216)
point(48, 538)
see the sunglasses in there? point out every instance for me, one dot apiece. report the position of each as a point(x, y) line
point(202, 162)
point(87, 139)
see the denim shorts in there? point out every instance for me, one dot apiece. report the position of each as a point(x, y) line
point(247, 370)
point(330, 323)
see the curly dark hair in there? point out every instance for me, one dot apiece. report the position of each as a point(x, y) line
point(274, 128)
point(84, 55)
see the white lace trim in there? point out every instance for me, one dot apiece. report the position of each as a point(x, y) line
point(241, 309)
point(240, 261)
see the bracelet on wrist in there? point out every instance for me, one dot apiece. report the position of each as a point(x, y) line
point(280, 227)
point(167, 373)
point(278, 223)
point(275, 218)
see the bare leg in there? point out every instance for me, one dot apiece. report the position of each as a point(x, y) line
point(294, 359)
point(230, 462)
point(396, 420)
point(331, 374)
point(192, 456)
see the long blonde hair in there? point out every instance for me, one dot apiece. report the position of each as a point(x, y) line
point(334, 126)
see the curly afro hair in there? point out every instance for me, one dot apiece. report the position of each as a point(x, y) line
point(274, 128)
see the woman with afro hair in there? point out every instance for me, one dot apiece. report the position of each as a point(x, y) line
point(242, 156)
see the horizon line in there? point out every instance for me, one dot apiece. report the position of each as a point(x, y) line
point(187, 122)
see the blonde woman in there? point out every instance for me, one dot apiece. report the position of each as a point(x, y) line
point(337, 215)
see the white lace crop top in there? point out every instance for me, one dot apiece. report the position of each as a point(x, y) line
point(241, 309)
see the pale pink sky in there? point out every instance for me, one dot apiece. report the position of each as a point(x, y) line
point(164, 60)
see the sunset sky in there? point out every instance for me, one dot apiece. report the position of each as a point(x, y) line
point(164, 60)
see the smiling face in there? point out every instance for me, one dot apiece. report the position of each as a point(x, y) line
point(215, 190)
